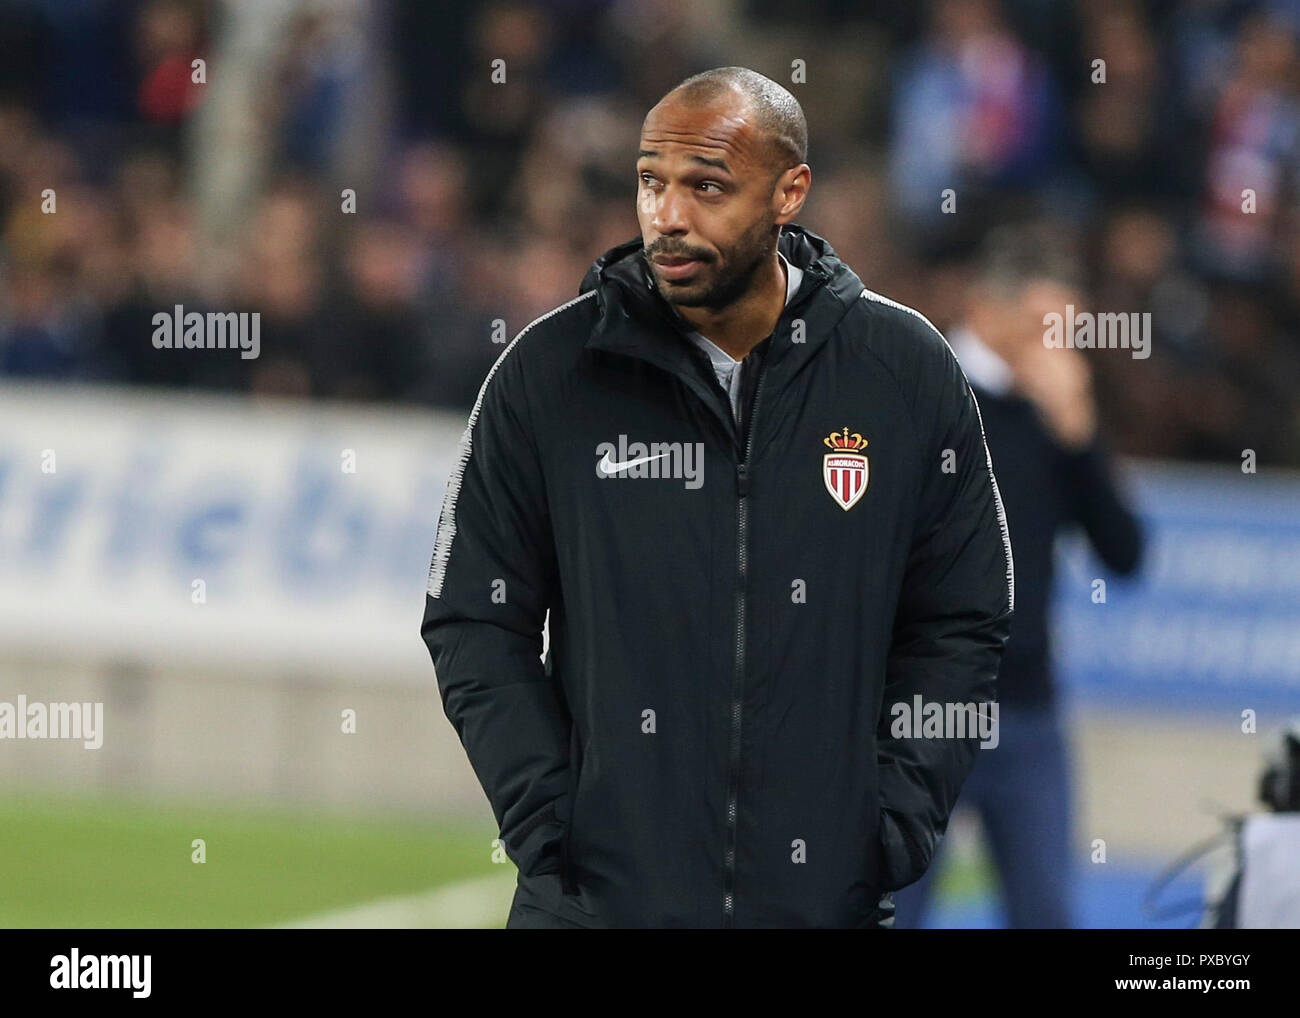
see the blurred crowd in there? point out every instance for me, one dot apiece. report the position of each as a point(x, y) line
point(1158, 143)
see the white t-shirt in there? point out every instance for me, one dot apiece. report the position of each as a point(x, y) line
point(726, 367)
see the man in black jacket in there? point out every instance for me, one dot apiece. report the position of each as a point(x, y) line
point(1055, 474)
point(745, 572)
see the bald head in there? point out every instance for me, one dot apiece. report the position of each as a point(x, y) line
point(720, 171)
point(774, 112)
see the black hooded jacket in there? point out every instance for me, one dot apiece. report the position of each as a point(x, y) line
point(710, 740)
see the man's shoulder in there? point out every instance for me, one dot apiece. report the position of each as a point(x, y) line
point(891, 324)
point(903, 339)
point(565, 327)
point(549, 343)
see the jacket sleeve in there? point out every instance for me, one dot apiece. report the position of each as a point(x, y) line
point(491, 581)
point(1098, 505)
point(951, 623)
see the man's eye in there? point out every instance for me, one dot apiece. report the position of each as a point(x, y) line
point(712, 183)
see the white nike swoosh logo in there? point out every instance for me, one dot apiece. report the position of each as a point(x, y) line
point(606, 467)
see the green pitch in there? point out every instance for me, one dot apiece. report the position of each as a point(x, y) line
point(86, 862)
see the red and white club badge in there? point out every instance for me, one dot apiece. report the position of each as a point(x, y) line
point(845, 470)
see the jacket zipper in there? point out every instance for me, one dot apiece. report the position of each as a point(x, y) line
point(738, 679)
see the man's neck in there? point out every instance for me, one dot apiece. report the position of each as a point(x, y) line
point(742, 325)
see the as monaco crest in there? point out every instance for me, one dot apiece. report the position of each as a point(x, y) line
point(845, 470)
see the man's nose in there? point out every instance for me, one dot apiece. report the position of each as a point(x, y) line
point(670, 213)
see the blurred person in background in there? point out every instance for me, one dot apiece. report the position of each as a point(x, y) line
point(1125, 127)
point(1253, 145)
point(1054, 472)
point(975, 111)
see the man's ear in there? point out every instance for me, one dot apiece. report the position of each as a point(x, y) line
point(784, 207)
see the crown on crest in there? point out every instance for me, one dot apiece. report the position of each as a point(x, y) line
point(844, 442)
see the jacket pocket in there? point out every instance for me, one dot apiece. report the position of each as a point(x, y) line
point(902, 856)
point(535, 846)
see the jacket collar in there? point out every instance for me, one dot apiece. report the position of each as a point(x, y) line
point(635, 320)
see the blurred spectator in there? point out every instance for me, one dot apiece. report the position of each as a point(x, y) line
point(1254, 146)
point(167, 43)
point(1126, 119)
point(975, 112)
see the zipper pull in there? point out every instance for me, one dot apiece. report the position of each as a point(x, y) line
point(742, 480)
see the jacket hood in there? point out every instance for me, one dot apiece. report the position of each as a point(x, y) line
point(634, 315)
point(627, 267)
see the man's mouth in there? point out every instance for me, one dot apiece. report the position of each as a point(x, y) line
point(677, 266)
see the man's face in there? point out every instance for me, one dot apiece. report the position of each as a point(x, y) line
point(707, 202)
point(1011, 324)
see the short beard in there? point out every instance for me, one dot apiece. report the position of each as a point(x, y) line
point(735, 281)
